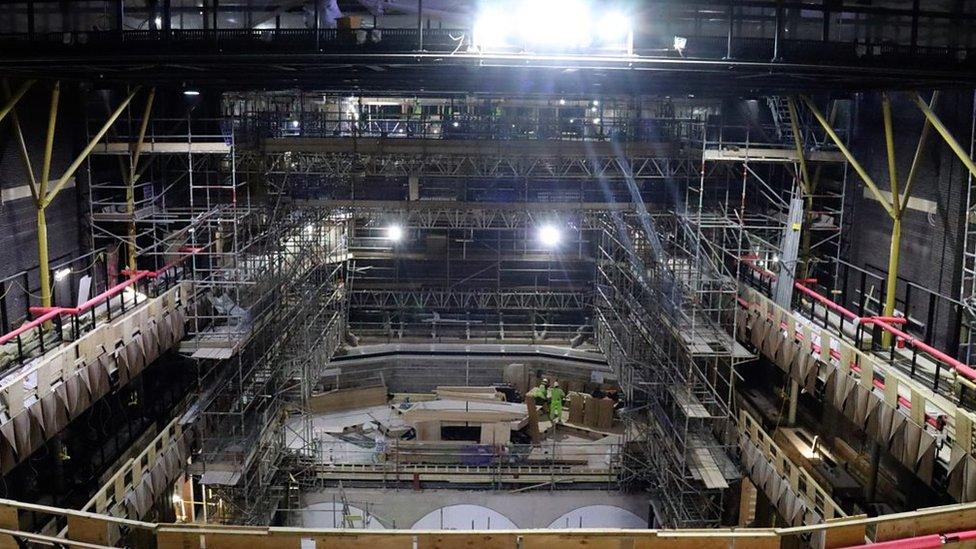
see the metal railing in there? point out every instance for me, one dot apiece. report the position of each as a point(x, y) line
point(53, 326)
point(568, 125)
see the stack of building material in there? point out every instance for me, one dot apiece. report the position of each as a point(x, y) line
point(496, 434)
point(589, 412)
point(577, 401)
point(453, 412)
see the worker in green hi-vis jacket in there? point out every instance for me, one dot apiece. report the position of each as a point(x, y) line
point(556, 396)
point(540, 394)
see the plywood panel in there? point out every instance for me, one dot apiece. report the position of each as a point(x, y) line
point(576, 408)
point(604, 413)
point(467, 541)
point(533, 424)
point(496, 433)
point(712, 540)
point(428, 430)
point(378, 541)
point(845, 536)
point(922, 524)
point(568, 541)
point(347, 399)
point(252, 541)
point(91, 530)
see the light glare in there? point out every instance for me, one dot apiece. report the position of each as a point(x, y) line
point(614, 26)
point(550, 25)
point(394, 233)
point(549, 236)
point(490, 30)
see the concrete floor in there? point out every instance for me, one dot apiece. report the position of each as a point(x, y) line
point(403, 509)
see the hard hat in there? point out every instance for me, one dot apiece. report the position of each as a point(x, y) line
point(555, 384)
point(546, 381)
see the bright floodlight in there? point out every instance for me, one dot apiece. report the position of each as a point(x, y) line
point(550, 25)
point(613, 26)
point(549, 236)
point(560, 23)
point(491, 30)
point(191, 93)
point(394, 233)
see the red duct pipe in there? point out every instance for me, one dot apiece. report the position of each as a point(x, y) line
point(104, 296)
point(890, 319)
point(8, 337)
point(930, 541)
point(910, 340)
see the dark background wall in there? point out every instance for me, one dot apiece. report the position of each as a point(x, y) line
point(931, 249)
point(18, 218)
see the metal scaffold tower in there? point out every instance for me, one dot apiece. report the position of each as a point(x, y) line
point(968, 291)
point(268, 292)
point(657, 339)
point(663, 306)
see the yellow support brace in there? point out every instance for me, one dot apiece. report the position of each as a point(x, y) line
point(130, 190)
point(43, 261)
point(891, 286)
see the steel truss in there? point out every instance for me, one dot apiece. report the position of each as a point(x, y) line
point(427, 300)
point(486, 165)
point(451, 215)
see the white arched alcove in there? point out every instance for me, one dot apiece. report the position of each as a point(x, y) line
point(329, 515)
point(599, 516)
point(464, 517)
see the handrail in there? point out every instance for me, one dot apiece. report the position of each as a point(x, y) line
point(49, 313)
point(928, 524)
point(881, 322)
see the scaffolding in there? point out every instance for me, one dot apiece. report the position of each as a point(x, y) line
point(968, 289)
point(280, 281)
point(655, 337)
point(295, 286)
point(267, 277)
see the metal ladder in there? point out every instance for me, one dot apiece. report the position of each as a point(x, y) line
point(967, 292)
point(781, 118)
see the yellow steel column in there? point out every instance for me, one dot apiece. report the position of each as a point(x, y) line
point(848, 155)
point(43, 262)
point(891, 286)
point(130, 189)
point(13, 99)
point(946, 134)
